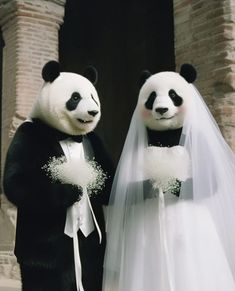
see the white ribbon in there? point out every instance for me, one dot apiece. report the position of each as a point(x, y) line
point(72, 225)
point(163, 236)
point(77, 262)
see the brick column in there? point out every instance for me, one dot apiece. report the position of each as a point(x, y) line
point(205, 37)
point(30, 32)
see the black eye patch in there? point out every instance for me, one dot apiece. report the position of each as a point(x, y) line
point(177, 100)
point(72, 103)
point(149, 103)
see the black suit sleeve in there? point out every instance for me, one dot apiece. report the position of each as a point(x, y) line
point(25, 183)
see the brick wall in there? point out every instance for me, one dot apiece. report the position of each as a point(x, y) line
point(30, 32)
point(205, 37)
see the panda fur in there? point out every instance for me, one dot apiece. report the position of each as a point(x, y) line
point(69, 104)
point(67, 107)
point(163, 102)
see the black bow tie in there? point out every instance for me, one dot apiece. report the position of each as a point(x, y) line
point(62, 136)
point(76, 138)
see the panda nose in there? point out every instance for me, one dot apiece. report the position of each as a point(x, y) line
point(161, 110)
point(93, 112)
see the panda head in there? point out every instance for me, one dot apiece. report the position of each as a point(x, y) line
point(164, 98)
point(67, 101)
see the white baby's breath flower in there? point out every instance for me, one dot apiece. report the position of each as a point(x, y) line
point(77, 172)
point(164, 166)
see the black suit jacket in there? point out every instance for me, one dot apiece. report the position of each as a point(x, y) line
point(41, 202)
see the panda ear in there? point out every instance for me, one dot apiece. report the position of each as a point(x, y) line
point(50, 71)
point(188, 72)
point(91, 74)
point(143, 77)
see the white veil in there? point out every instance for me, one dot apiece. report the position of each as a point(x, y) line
point(184, 243)
point(213, 171)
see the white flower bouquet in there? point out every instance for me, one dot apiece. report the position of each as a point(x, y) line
point(165, 166)
point(77, 172)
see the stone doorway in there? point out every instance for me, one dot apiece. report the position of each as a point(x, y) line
point(120, 38)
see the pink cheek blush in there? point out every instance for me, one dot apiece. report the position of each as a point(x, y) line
point(146, 113)
point(182, 109)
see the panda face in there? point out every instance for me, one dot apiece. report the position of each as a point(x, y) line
point(70, 104)
point(163, 101)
